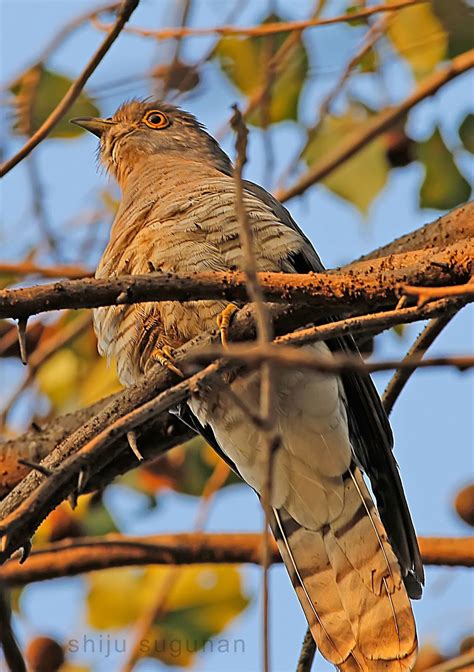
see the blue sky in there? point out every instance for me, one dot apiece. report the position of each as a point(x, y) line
point(432, 421)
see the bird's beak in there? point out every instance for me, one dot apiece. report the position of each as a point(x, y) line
point(93, 124)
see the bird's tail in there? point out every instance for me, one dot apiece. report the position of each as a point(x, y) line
point(349, 583)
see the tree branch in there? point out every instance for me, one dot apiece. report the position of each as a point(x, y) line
point(376, 284)
point(378, 124)
point(165, 432)
point(272, 28)
point(126, 10)
point(76, 556)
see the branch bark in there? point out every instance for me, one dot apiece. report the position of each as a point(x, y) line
point(76, 556)
point(39, 442)
point(371, 284)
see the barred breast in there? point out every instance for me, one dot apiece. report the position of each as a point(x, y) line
point(178, 220)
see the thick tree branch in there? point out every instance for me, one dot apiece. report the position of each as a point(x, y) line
point(379, 124)
point(456, 225)
point(76, 556)
point(374, 284)
point(157, 437)
point(87, 450)
point(126, 10)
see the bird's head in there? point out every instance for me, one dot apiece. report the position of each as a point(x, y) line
point(139, 129)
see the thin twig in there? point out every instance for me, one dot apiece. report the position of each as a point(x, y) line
point(126, 10)
point(308, 651)
point(425, 339)
point(11, 650)
point(266, 28)
point(378, 124)
point(427, 294)
point(30, 268)
point(373, 34)
point(264, 336)
point(291, 357)
point(158, 610)
point(463, 662)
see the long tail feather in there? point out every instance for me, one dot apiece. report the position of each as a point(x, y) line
point(349, 583)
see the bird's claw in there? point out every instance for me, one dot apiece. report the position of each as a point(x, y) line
point(165, 357)
point(223, 322)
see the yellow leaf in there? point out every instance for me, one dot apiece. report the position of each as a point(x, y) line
point(200, 602)
point(418, 35)
point(363, 176)
point(245, 62)
point(100, 382)
point(57, 377)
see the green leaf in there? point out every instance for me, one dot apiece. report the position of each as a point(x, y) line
point(466, 132)
point(458, 20)
point(199, 602)
point(362, 177)
point(444, 186)
point(419, 37)
point(245, 62)
point(40, 90)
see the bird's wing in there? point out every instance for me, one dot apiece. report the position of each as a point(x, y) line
point(370, 431)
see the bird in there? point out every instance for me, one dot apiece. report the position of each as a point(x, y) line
point(354, 562)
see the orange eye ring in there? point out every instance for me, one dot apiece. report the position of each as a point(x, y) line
point(156, 119)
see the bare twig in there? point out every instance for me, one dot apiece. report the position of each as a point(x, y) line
point(370, 38)
point(420, 346)
point(159, 608)
point(266, 28)
point(47, 347)
point(291, 357)
point(29, 268)
point(264, 336)
point(70, 557)
point(464, 662)
point(377, 125)
point(126, 10)
point(11, 650)
point(308, 651)
point(427, 294)
point(456, 225)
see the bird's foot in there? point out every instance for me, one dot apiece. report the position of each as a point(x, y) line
point(165, 357)
point(223, 322)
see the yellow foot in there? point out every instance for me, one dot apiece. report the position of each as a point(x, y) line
point(165, 357)
point(223, 322)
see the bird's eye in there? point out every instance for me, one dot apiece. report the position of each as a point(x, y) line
point(156, 119)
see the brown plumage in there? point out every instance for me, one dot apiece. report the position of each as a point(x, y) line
point(353, 566)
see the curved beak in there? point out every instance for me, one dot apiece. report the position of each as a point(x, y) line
point(94, 125)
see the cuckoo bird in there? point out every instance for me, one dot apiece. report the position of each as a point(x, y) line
point(354, 565)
